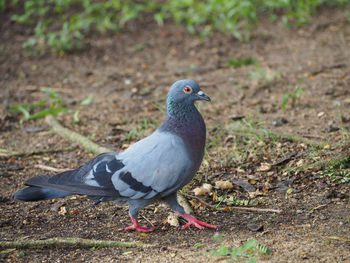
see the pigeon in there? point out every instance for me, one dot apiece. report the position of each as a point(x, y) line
point(153, 168)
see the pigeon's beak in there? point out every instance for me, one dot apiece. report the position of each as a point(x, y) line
point(202, 96)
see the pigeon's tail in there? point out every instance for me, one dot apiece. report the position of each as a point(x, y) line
point(35, 193)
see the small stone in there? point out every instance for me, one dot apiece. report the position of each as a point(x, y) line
point(333, 128)
point(255, 227)
point(247, 186)
point(283, 186)
point(280, 121)
point(33, 129)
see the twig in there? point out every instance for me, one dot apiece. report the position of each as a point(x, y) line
point(5, 154)
point(340, 238)
point(147, 220)
point(49, 168)
point(311, 136)
point(253, 209)
point(320, 206)
point(286, 159)
point(68, 242)
point(74, 137)
point(327, 67)
point(317, 207)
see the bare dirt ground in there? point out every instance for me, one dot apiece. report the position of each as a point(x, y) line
point(129, 74)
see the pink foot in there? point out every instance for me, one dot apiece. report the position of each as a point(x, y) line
point(136, 226)
point(194, 222)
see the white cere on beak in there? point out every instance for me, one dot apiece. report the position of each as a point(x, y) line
point(200, 93)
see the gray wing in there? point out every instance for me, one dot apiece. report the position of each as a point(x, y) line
point(158, 164)
point(93, 178)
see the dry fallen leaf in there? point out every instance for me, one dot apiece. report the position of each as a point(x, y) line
point(240, 170)
point(261, 143)
point(264, 167)
point(252, 181)
point(203, 190)
point(289, 191)
point(198, 191)
point(300, 163)
point(173, 219)
point(207, 187)
point(255, 194)
point(215, 196)
point(74, 212)
point(223, 185)
point(62, 211)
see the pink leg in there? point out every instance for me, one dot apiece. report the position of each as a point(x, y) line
point(194, 222)
point(135, 225)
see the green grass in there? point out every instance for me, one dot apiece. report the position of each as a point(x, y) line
point(49, 106)
point(62, 25)
point(293, 96)
point(248, 252)
point(241, 61)
point(338, 170)
point(52, 105)
point(140, 129)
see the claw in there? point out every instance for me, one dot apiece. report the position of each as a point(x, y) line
point(136, 226)
point(194, 222)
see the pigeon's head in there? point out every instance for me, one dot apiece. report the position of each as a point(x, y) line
point(186, 91)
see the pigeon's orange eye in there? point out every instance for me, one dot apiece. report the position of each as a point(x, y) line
point(187, 89)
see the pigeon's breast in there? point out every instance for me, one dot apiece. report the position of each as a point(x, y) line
point(192, 132)
point(194, 137)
